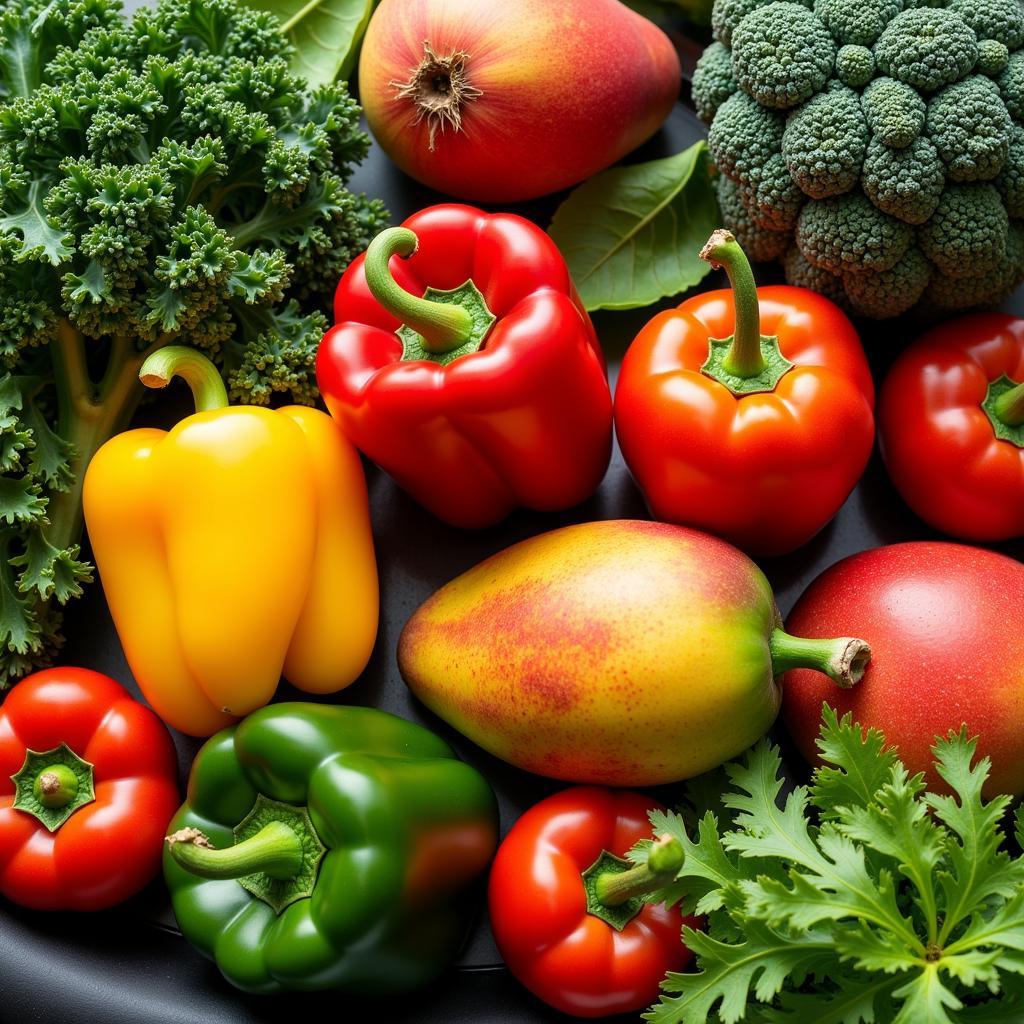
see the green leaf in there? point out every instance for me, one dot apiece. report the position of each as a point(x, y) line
point(632, 235)
point(325, 33)
point(50, 571)
point(859, 1001)
point(40, 239)
point(20, 500)
point(857, 764)
point(50, 458)
point(927, 999)
point(731, 974)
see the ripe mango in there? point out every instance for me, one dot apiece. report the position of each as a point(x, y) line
point(624, 653)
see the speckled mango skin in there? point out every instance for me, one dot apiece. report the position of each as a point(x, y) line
point(624, 653)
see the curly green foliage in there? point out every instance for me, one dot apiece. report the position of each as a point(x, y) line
point(889, 292)
point(905, 183)
point(849, 233)
point(713, 82)
point(970, 127)
point(760, 244)
point(859, 22)
point(744, 135)
point(825, 141)
point(967, 234)
point(1010, 181)
point(855, 65)
point(1001, 20)
point(894, 111)
point(927, 48)
point(162, 179)
point(782, 54)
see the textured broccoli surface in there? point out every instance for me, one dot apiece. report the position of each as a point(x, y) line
point(712, 82)
point(163, 179)
point(902, 136)
point(759, 243)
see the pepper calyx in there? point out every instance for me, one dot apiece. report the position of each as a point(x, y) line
point(52, 784)
point(468, 297)
point(1004, 406)
point(775, 366)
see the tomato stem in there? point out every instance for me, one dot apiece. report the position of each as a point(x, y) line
point(194, 368)
point(843, 659)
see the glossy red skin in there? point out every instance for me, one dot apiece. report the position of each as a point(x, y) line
point(939, 445)
point(942, 622)
point(765, 471)
point(568, 88)
point(525, 421)
point(110, 848)
point(574, 961)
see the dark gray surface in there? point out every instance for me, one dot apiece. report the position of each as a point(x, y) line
point(129, 966)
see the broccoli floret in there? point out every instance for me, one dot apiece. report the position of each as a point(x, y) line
point(993, 57)
point(712, 83)
point(970, 127)
point(760, 244)
point(1010, 181)
point(1011, 85)
point(855, 65)
point(927, 48)
point(967, 234)
point(802, 274)
point(856, 21)
point(782, 54)
point(727, 14)
point(1001, 20)
point(743, 136)
point(905, 183)
point(771, 196)
point(848, 233)
point(950, 294)
point(894, 111)
point(825, 141)
point(890, 292)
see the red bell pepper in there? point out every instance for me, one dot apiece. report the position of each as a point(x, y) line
point(757, 438)
point(565, 907)
point(88, 783)
point(465, 366)
point(951, 426)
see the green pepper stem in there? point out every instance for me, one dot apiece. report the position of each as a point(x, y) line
point(1009, 406)
point(275, 851)
point(613, 888)
point(744, 358)
point(442, 326)
point(843, 659)
point(194, 368)
point(57, 786)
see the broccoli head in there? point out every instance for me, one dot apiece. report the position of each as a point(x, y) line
point(902, 137)
point(712, 81)
point(163, 179)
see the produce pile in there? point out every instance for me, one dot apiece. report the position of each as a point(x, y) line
point(174, 208)
point(875, 146)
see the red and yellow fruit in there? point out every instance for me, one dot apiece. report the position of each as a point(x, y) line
point(624, 653)
point(502, 101)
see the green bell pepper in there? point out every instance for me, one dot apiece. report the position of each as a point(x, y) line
point(328, 847)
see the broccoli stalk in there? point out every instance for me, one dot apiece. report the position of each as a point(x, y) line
point(163, 180)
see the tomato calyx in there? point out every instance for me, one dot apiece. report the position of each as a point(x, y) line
point(1004, 406)
point(748, 362)
point(52, 784)
point(615, 887)
point(442, 325)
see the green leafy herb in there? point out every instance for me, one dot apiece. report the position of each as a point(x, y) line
point(163, 180)
point(632, 235)
point(325, 33)
point(862, 898)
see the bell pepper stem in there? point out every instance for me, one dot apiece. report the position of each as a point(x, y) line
point(744, 358)
point(56, 787)
point(442, 327)
point(194, 368)
point(275, 851)
point(843, 659)
point(1009, 406)
point(613, 888)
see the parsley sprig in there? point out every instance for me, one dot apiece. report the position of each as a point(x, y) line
point(861, 899)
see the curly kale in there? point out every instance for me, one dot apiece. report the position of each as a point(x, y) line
point(163, 179)
point(900, 125)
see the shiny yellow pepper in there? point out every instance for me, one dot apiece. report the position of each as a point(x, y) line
point(232, 549)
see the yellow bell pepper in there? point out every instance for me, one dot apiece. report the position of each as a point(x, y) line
point(232, 549)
